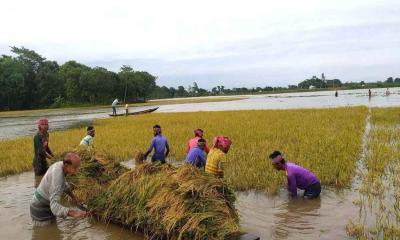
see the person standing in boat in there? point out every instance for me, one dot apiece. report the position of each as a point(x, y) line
point(87, 141)
point(126, 109)
point(297, 177)
point(41, 148)
point(198, 134)
point(160, 145)
point(114, 106)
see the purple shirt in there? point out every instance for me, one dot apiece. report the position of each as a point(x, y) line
point(159, 143)
point(196, 158)
point(299, 177)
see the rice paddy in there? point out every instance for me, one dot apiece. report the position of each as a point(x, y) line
point(163, 201)
point(379, 198)
point(327, 141)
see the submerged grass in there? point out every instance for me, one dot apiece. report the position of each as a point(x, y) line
point(326, 141)
point(163, 201)
point(379, 198)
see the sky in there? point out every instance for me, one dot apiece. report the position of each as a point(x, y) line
point(231, 43)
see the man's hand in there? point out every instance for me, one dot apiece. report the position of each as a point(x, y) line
point(77, 214)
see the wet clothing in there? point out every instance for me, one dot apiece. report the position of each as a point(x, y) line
point(45, 205)
point(193, 143)
point(313, 191)
point(215, 160)
point(159, 143)
point(41, 147)
point(196, 158)
point(299, 177)
point(87, 141)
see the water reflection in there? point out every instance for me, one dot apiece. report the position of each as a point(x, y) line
point(47, 232)
point(296, 214)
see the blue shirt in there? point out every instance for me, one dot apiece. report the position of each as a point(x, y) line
point(114, 103)
point(159, 143)
point(196, 158)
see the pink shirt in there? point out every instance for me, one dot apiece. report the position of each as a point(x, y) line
point(193, 143)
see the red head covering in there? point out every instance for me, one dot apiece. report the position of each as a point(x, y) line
point(198, 133)
point(222, 143)
point(45, 135)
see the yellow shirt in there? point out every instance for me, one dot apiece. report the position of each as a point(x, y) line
point(215, 158)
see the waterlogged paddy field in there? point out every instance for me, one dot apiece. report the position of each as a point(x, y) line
point(327, 141)
point(379, 192)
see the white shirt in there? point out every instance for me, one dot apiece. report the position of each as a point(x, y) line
point(51, 188)
point(114, 103)
point(87, 141)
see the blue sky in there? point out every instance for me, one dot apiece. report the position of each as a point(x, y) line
point(232, 43)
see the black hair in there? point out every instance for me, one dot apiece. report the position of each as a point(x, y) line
point(275, 154)
point(201, 140)
point(67, 162)
point(156, 126)
point(90, 128)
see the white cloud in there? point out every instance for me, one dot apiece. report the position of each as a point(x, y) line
point(175, 39)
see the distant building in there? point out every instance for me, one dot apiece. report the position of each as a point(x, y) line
point(311, 87)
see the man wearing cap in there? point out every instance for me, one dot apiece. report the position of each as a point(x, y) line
point(196, 156)
point(46, 206)
point(88, 140)
point(298, 177)
point(160, 145)
point(217, 156)
point(41, 148)
point(198, 134)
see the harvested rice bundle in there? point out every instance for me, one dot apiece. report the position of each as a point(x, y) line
point(163, 201)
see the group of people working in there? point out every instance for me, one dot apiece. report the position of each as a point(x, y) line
point(45, 206)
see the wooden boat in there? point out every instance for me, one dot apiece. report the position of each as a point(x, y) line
point(134, 113)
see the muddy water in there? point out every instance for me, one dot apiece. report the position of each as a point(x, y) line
point(270, 217)
point(12, 127)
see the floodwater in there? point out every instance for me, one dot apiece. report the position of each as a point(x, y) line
point(12, 127)
point(269, 217)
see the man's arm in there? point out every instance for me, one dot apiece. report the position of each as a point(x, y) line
point(292, 186)
point(167, 147)
point(149, 150)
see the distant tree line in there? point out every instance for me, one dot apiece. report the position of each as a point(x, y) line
point(28, 80)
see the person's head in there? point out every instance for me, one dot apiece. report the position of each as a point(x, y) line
point(71, 163)
point(90, 131)
point(277, 160)
point(201, 143)
point(43, 125)
point(156, 129)
point(223, 143)
point(198, 133)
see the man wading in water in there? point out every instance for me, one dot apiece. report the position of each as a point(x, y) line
point(160, 144)
point(45, 206)
point(297, 177)
point(42, 149)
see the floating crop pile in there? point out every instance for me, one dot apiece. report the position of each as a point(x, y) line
point(163, 201)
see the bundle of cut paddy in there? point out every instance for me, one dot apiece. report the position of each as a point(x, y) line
point(163, 201)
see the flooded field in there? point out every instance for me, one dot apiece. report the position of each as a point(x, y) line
point(12, 127)
point(270, 217)
point(266, 215)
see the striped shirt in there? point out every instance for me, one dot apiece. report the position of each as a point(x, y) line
point(214, 162)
